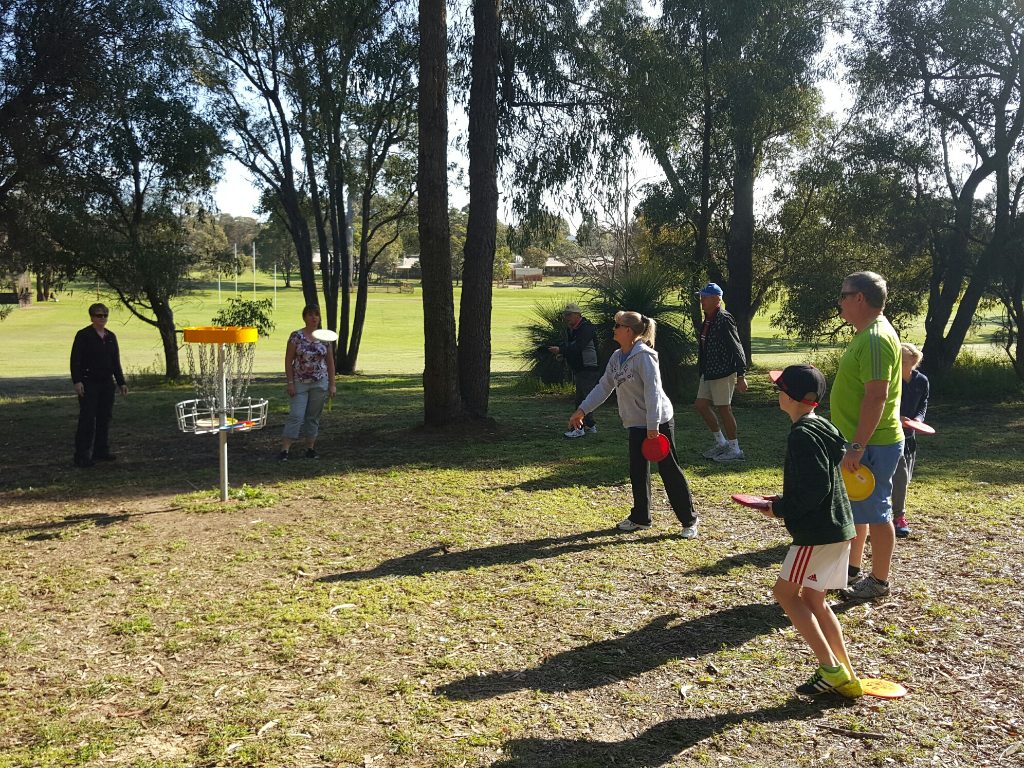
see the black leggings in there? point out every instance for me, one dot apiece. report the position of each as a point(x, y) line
point(676, 487)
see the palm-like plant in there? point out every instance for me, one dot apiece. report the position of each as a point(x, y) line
point(650, 291)
point(546, 328)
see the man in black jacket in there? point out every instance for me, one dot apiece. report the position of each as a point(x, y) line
point(95, 366)
point(722, 367)
point(580, 352)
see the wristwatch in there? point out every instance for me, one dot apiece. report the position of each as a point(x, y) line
point(856, 447)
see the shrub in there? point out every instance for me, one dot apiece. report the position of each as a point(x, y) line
point(546, 328)
point(650, 291)
point(247, 312)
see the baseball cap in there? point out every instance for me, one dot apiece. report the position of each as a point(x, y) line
point(572, 308)
point(803, 383)
point(711, 289)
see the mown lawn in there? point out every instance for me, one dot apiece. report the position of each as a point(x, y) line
point(459, 599)
point(37, 340)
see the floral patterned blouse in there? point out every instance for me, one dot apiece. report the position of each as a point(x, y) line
point(310, 363)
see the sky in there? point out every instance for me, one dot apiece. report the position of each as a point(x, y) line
point(237, 195)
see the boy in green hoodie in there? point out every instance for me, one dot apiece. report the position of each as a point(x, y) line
point(816, 511)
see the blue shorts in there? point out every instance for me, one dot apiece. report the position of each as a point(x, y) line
point(877, 508)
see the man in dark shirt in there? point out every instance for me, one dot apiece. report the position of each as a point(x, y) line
point(95, 366)
point(580, 352)
point(722, 367)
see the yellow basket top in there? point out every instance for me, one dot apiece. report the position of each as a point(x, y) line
point(212, 334)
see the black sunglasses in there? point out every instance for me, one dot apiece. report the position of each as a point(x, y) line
point(100, 314)
point(847, 294)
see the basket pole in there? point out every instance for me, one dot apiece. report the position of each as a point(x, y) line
point(222, 434)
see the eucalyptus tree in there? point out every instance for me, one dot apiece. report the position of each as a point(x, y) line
point(283, 74)
point(442, 403)
point(474, 343)
point(50, 53)
point(109, 160)
point(143, 166)
point(953, 72)
point(383, 161)
point(852, 204)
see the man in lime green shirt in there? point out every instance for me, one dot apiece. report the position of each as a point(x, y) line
point(865, 406)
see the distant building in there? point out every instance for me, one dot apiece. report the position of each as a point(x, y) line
point(408, 267)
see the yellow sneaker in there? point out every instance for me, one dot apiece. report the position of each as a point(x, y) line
point(832, 680)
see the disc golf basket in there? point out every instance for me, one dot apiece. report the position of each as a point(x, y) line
point(220, 366)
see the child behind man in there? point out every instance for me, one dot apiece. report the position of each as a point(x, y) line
point(816, 511)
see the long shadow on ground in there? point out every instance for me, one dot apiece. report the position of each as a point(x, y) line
point(439, 559)
point(657, 745)
point(51, 529)
point(762, 558)
point(628, 656)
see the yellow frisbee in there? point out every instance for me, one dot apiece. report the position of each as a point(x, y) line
point(859, 484)
point(882, 689)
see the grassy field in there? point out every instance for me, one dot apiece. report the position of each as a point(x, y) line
point(37, 340)
point(420, 599)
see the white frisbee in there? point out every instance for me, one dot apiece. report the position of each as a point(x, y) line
point(325, 334)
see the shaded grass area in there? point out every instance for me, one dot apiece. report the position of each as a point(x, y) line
point(419, 598)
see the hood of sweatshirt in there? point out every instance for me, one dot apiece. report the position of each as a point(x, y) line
point(826, 434)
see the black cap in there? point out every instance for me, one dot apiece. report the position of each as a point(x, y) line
point(804, 383)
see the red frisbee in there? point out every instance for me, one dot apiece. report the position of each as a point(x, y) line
point(655, 448)
point(918, 426)
point(747, 500)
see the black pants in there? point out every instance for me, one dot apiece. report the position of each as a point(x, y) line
point(676, 487)
point(585, 381)
point(95, 408)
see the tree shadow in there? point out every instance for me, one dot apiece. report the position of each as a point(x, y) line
point(628, 656)
point(51, 529)
point(762, 558)
point(658, 745)
point(439, 559)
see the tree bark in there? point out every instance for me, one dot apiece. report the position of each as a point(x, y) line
point(165, 324)
point(481, 229)
point(441, 401)
point(740, 253)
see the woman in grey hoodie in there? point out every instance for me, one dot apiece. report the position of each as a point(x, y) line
point(645, 411)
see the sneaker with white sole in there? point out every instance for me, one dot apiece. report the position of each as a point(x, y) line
point(714, 450)
point(835, 680)
point(572, 433)
point(591, 430)
point(629, 525)
point(868, 588)
point(690, 531)
point(729, 454)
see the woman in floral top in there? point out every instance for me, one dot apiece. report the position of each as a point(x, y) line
point(309, 369)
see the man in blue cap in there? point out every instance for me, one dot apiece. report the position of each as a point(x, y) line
point(722, 367)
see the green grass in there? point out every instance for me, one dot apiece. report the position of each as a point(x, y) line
point(420, 598)
point(37, 340)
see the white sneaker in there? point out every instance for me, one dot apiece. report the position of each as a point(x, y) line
point(629, 525)
point(591, 430)
point(729, 454)
point(690, 531)
point(714, 450)
point(575, 433)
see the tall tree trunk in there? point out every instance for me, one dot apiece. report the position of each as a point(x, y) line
point(740, 255)
point(481, 228)
point(441, 402)
point(165, 324)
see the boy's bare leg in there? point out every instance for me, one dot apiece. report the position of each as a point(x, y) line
point(788, 595)
point(828, 624)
